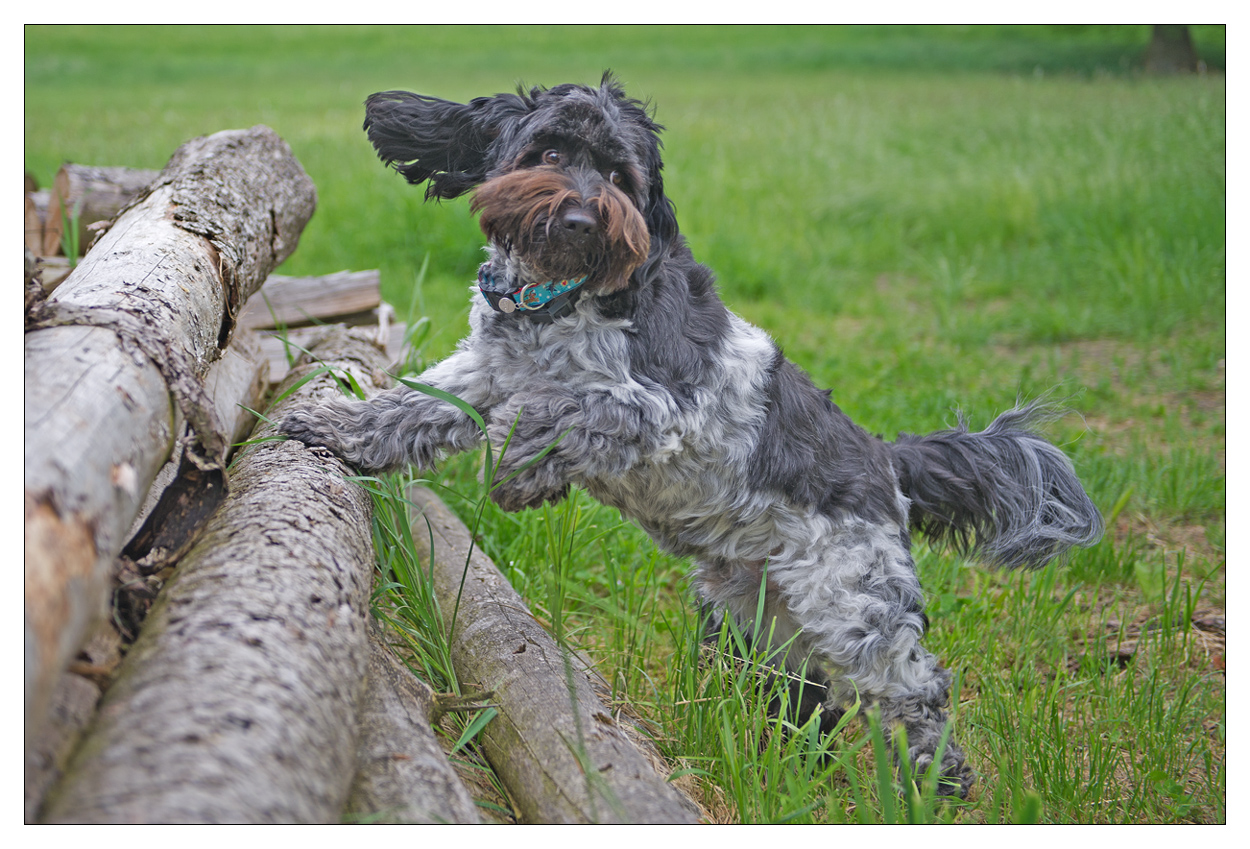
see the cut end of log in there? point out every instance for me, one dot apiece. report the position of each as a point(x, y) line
point(60, 556)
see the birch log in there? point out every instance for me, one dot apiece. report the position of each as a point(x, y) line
point(557, 748)
point(238, 701)
point(118, 350)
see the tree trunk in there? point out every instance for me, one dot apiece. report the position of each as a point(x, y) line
point(562, 755)
point(118, 350)
point(1171, 50)
point(238, 701)
point(403, 775)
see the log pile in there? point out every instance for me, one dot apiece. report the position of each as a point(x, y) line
point(199, 643)
point(559, 749)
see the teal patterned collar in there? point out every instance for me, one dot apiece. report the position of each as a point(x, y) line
point(543, 302)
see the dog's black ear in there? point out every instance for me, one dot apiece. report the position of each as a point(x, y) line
point(425, 138)
point(659, 214)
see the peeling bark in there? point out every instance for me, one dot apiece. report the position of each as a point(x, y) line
point(118, 350)
point(562, 755)
point(238, 701)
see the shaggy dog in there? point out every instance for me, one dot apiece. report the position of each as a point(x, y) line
point(594, 330)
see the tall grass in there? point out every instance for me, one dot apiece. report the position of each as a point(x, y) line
point(928, 220)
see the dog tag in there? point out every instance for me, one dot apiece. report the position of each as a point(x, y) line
point(506, 305)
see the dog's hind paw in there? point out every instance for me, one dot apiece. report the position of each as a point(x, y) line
point(956, 777)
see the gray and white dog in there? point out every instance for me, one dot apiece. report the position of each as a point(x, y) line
point(593, 328)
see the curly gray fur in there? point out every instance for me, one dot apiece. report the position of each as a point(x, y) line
point(691, 421)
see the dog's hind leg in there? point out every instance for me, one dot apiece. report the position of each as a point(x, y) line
point(778, 650)
point(860, 610)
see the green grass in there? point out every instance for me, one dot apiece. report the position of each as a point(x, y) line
point(927, 219)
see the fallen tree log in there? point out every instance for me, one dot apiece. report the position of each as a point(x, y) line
point(279, 349)
point(119, 350)
point(236, 380)
point(175, 510)
point(402, 774)
point(562, 755)
point(238, 701)
point(288, 305)
point(84, 194)
point(71, 708)
point(345, 297)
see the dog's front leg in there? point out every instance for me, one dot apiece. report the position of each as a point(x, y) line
point(588, 435)
point(400, 426)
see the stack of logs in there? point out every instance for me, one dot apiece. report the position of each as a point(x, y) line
point(199, 642)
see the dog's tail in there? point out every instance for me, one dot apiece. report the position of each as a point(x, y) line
point(1004, 495)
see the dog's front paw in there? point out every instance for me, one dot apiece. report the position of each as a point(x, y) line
point(320, 435)
point(307, 427)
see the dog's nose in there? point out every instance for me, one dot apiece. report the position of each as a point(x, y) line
point(579, 222)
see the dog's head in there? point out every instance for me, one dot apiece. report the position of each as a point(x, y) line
point(566, 180)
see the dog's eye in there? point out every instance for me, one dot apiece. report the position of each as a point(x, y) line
point(551, 157)
point(617, 178)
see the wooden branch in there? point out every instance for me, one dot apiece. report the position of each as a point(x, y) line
point(403, 776)
point(118, 350)
point(346, 297)
point(559, 750)
point(238, 701)
point(87, 194)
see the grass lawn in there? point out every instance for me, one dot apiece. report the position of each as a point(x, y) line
point(928, 220)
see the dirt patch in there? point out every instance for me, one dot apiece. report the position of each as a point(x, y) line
point(1120, 643)
point(1170, 539)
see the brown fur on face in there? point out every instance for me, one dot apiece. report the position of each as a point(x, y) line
point(521, 210)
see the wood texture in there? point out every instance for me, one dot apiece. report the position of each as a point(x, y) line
point(402, 774)
point(85, 194)
point(119, 349)
point(559, 750)
point(36, 208)
point(238, 701)
point(346, 297)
